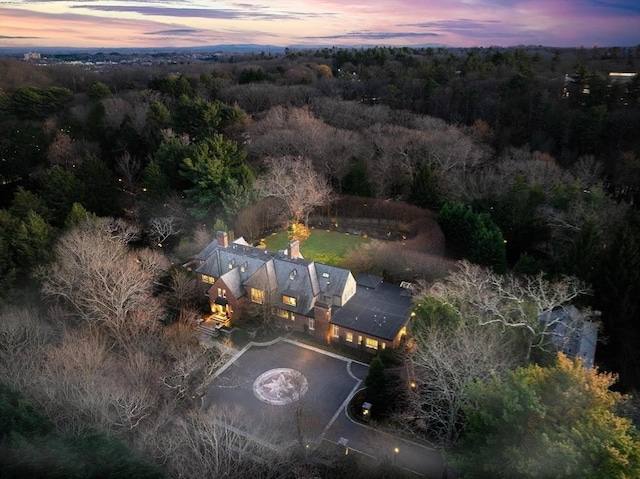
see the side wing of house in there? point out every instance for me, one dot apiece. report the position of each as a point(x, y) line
point(337, 285)
point(374, 318)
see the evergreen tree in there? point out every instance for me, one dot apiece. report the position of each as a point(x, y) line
point(557, 421)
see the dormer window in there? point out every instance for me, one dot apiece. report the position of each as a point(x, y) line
point(293, 274)
point(243, 268)
point(232, 263)
point(289, 300)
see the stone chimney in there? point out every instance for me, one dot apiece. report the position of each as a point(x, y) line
point(222, 238)
point(293, 249)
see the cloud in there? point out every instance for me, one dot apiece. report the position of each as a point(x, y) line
point(373, 36)
point(176, 31)
point(626, 5)
point(9, 37)
point(214, 13)
point(474, 28)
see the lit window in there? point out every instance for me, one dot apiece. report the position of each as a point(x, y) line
point(349, 337)
point(312, 324)
point(290, 300)
point(243, 268)
point(383, 345)
point(222, 293)
point(335, 331)
point(371, 343)
point(283, 313)
point(359, 339)
point(208, 279)
point(257, 296)
point(232, 263)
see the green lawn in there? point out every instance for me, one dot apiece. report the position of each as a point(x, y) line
point(328, 247)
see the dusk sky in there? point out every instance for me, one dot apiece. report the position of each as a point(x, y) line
point(184, 23)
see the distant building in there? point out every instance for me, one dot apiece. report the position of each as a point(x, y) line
point(621, 77)
point(31, 56)
point(572, 333)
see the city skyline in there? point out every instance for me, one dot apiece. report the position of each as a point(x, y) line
point(193, 23)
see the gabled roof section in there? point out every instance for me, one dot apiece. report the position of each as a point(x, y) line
point(238, 254)
point(211, 266)
point(234, 284)
point(297, 278)
point(264, 278)
point(331, 280)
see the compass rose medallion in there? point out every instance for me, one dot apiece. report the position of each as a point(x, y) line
point(280, 386)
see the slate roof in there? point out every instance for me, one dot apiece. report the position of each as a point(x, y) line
point(381, 311)
point(377, 309)
point(232, 279)
point(297, 278)
point(572, 334)
point(235, 254)
point(331, 280)
point(368, 280)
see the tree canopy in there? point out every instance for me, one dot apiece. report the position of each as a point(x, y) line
point(539, 422)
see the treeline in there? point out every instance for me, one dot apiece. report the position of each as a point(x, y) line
point(516, 173)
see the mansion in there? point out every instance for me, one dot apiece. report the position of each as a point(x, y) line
point(323, 301)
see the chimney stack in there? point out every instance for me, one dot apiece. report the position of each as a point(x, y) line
point(293, 249)
point(222, 238)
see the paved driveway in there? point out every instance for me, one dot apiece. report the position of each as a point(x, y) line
point(256, 387)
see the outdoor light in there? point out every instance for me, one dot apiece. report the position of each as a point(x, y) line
point(366, 410)
point(412, 384)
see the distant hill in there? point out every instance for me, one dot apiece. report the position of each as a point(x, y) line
point(235, 48)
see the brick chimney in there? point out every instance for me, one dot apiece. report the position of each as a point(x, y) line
point(293, 249)
point(222, 238)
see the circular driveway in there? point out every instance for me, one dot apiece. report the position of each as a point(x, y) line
point(305, 390)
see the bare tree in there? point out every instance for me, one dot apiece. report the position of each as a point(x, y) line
point(61, 151)
point(129, 167)
point(510, 301)
point(102, 281)
point(116, 228)
point(162, 228)
point(218, 444)
point(184, 291)
point(188, 249)
point(294, 182)
point(23, 337)
point(440, 365)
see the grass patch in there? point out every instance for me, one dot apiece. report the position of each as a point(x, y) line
point(327, 247)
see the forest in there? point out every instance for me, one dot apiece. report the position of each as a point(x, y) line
point(527, 157)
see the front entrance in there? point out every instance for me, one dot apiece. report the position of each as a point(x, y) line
point(221, 311)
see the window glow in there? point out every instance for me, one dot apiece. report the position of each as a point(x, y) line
point(289, 300)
